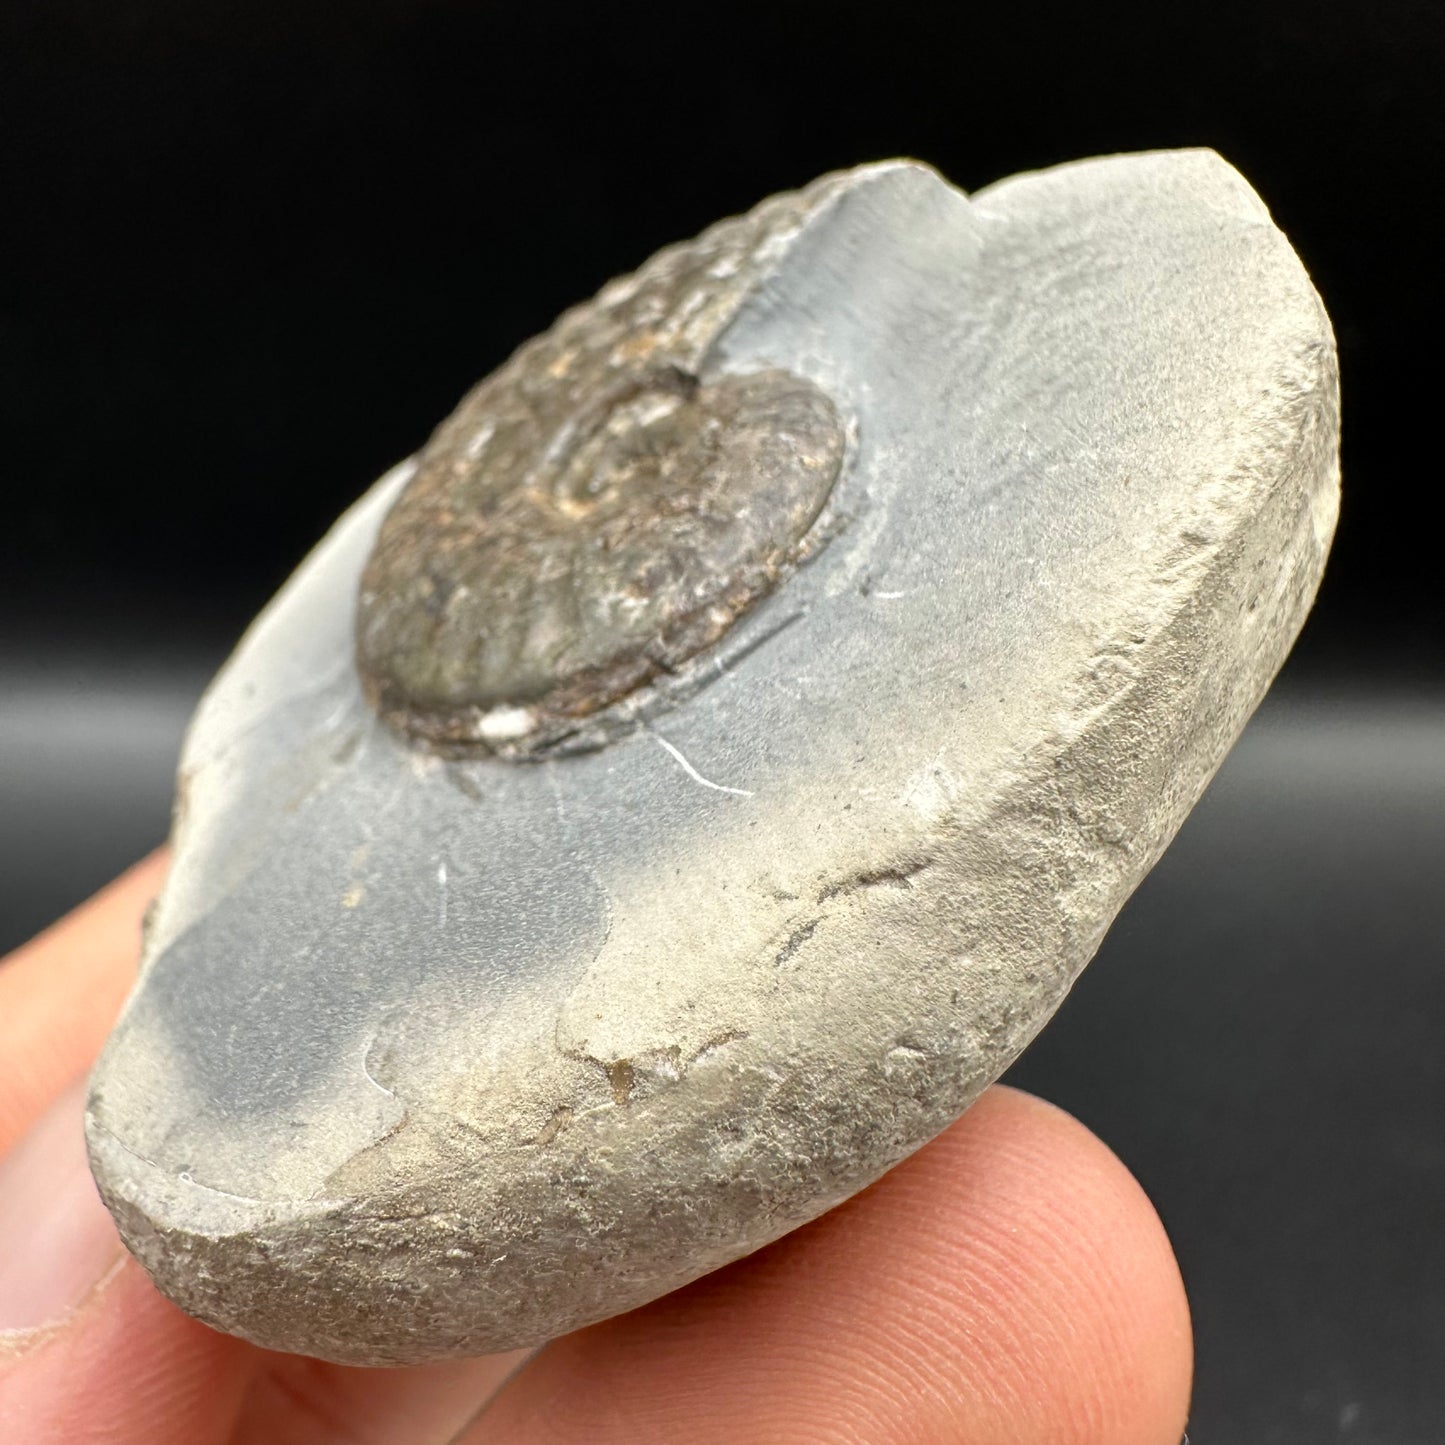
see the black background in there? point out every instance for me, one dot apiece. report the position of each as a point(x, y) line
point(251, 254)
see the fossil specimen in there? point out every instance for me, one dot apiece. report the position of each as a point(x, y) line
point(671, 798)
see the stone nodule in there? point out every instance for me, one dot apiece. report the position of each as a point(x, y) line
point(675, 795)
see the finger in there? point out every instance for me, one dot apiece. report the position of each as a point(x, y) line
point(128, 1369)
point(60, 993)
point(73, 1309)
point(296, 1401)
point(1009, 1284)
point(88, 1350)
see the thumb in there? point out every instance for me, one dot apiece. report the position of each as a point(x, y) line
point(89, 1351)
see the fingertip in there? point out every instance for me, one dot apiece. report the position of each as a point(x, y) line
point(1008, 1283)
point(127, 1368)
point(1086, 1311)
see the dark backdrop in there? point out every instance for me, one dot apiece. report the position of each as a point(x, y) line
point(252, 253)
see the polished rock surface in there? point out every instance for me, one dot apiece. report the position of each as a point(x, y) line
point(433, 1056)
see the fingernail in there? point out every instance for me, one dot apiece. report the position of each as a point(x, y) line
point(56, 1237)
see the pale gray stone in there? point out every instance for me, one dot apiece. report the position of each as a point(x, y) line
point(435, 1054)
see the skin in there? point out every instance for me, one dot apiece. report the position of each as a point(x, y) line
point(1008, 1284)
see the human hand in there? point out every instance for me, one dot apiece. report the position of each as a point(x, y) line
point(1008, 1284)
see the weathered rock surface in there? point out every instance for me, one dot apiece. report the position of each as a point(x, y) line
point(437, 1052)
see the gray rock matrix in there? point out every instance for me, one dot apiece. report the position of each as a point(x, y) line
point(435, 1055)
